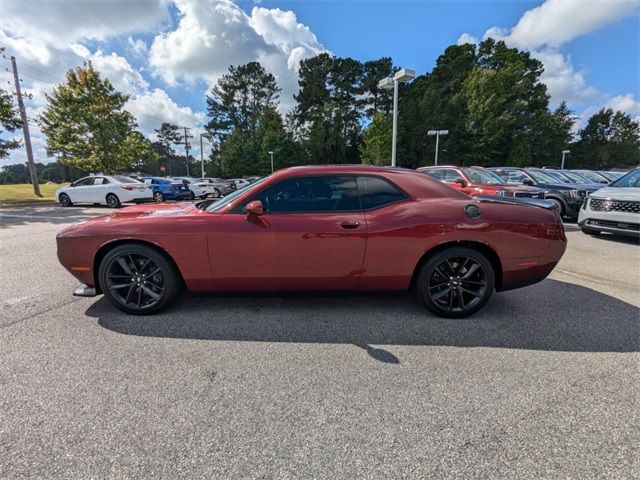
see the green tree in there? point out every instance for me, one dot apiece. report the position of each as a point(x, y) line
point(376, 145)
point(239, 98)
point(87, 127)
point(377, 100)
point(608, 140)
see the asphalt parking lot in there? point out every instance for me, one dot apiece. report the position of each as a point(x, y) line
point(544, 382)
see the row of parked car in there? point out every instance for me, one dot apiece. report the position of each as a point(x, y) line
point(601, 201)
point(115, 190)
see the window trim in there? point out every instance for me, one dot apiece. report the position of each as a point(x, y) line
point(239, 210)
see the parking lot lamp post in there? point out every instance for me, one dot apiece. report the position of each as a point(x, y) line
point(401, 76)
point(564, 152)
point(271, 154)
point(437, 133)
point(210, 138)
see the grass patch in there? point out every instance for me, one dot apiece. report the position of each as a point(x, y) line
point(23, 192)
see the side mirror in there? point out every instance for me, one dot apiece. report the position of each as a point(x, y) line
point(460, 182)
point(527, 181)
point(254, 208)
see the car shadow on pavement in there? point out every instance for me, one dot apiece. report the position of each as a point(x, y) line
point(552, 315)
point(608, 237)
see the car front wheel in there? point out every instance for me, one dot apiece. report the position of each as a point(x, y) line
point(113, 201)
point(137, 279)
point(456, 282)
point(64, 200)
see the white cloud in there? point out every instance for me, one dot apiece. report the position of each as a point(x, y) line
point(137, 48)
point(467, 38)
point(542, 30)
point(626, 103)
point(49, 22)
point(213, 35)
point(562, 79)
point(556, 22)
point(154, 107)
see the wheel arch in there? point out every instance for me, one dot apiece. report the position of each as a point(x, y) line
point(483, 248)
point(107, 247)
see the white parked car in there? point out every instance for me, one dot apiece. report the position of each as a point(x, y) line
point(613, 209)
point(239, 182)
point(200, 188)
point(112, 190)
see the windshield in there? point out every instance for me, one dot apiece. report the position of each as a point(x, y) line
point(223, 202)
point(123, 179)
point(631, 179)
point(482, 176)
point(544, 177)
point(594, 177)
point(576, 177)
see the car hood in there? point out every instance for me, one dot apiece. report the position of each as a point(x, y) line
point(618, 193)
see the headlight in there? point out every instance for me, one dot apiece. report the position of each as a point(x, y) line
point(573, 194)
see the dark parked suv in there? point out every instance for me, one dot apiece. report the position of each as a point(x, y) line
point(568, 197)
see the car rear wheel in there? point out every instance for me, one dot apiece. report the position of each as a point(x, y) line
point(216, 193)
point(191, 195)
point(158, 197)
point(137, 279)
point(456, 282)
point(64, 200)
point(113, 201)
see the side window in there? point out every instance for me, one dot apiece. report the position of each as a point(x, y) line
point(376, 192)
point(311, 194)
point(83, 182)
point(100, 181)
point(436, 173)
point(451, 176)
point(516, 177)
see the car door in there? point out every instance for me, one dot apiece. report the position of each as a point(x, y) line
point(97, 193)
point(312, 235)
point(81, 190)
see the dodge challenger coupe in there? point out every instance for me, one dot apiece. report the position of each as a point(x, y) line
point(319, 228)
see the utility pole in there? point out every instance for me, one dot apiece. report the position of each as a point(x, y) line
point(25, 130)
point(186, 147)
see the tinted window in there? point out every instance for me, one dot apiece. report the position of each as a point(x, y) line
point(311, 194)
point(376, 192)
point(452, 175)
point(84, 182)
point(631, 179)
point(512, 176)
point(436, 173)
point(123, 179)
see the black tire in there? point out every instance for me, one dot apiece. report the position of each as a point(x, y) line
point(216, 193)
point(113, 201)
point(191, 196)
point(152, 273)
point(64, 200)
point(158, 197)
point(456, 282)
point(559, 206)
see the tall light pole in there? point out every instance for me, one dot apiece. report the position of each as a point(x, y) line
point(210, 138)
point(271, 154)
point(401, 76)
point(437, 133)
point(564, 152)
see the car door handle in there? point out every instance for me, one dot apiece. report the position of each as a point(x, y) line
point(350, 225)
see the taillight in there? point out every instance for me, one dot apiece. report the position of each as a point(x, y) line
point(128, 187)
point(176, 187)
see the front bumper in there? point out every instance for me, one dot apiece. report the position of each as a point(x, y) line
point(619, 223)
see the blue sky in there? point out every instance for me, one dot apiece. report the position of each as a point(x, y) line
point(166, 54)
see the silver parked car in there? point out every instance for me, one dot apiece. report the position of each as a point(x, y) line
point(613, 209)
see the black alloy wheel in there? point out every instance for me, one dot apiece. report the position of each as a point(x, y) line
point(64, 200)
point(138, 279)
point(113, 201)
point(456, 282)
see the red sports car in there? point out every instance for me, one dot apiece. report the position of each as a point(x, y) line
point(319, 228)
